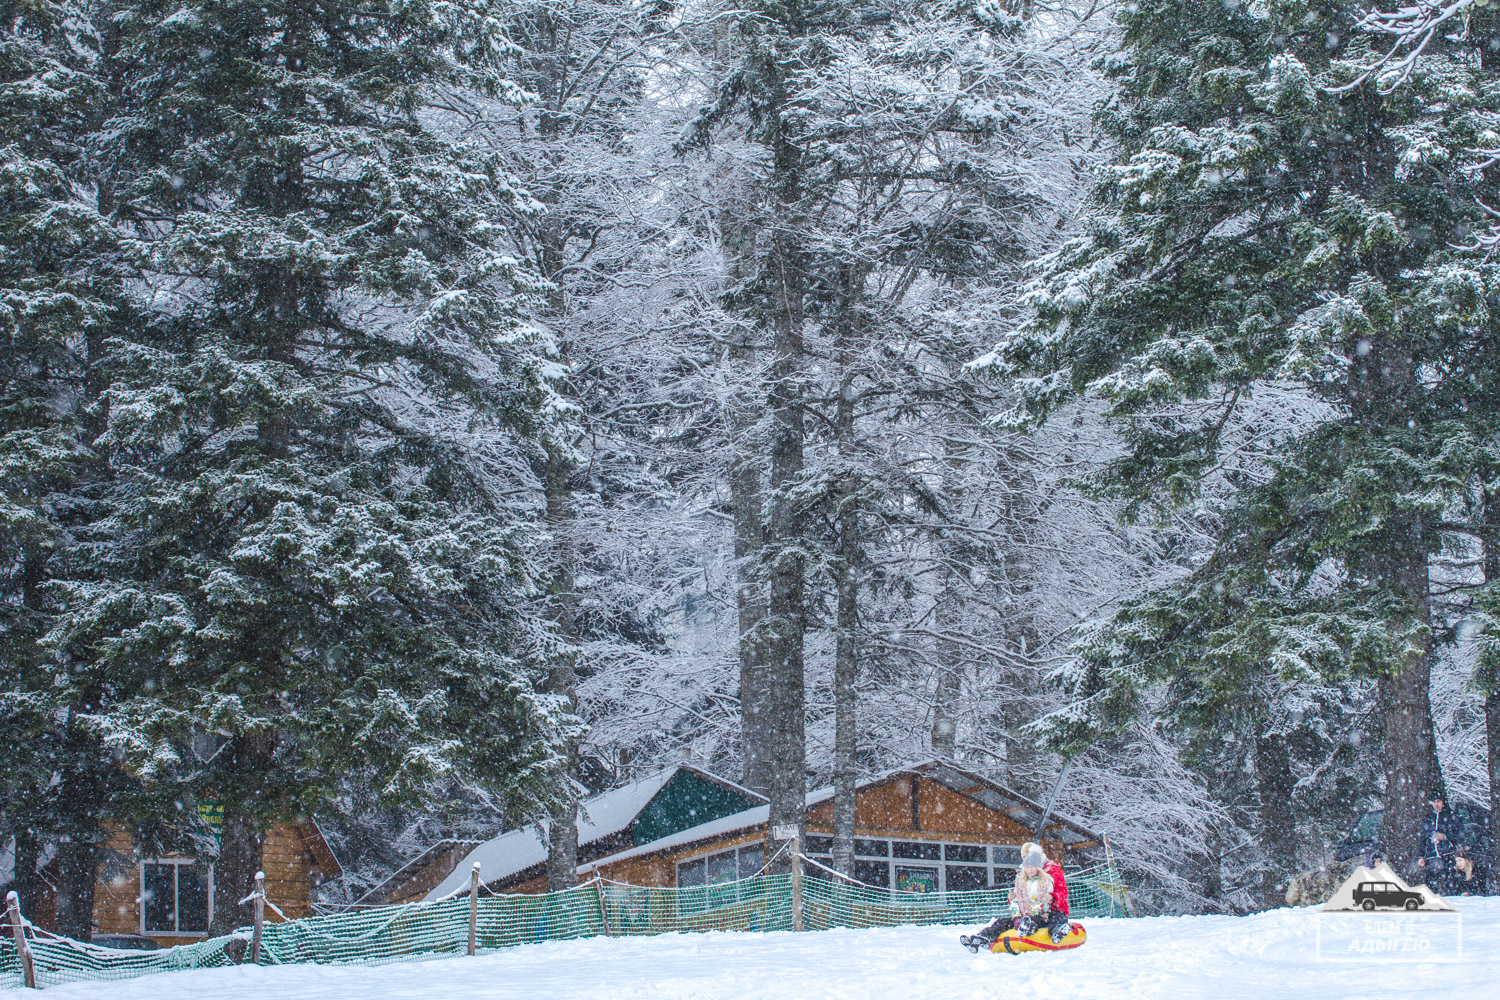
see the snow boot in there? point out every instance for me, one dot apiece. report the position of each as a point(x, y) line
point(985, 936)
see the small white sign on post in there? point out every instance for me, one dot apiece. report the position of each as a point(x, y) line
point(784, 831)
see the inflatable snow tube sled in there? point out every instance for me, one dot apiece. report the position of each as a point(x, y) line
point(1013, 942)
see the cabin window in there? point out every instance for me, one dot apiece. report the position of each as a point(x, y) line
point(873, 872)
point(917, 849)
point(176, 897)
point(751, 860)
point(965, 878)
point(721, 868)
point(1007, 857)
point(689, 873)
point(963, 867)
point(725, 866)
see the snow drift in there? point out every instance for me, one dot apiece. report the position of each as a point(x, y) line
point(1266, 956)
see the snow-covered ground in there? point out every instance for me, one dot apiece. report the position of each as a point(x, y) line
point(1266, 956)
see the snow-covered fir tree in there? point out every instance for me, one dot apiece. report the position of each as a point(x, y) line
point(418, 415)
point(311, 557)
point(1267, 226)
point(61, 299)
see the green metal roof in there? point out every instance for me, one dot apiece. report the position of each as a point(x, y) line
point(685, 801)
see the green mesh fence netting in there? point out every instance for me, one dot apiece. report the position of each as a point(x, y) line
point(830, 901)
point(429, 930)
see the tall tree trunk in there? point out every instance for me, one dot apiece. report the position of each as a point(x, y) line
point(781, 288)
point(949, 681)
point(562, 846)
point(746, 476)
point(27, 880)
point(1412, 774)
point(1382, 386)
point(246, 785)
point(950, 657)
point(750, 595)
point(1492, 698)
point(1212, 878)
point(787, 618)
point(84, 768)
point(1278, 824)
point(241, 855)
point(562, 831)
point(250, 798)
point(949, 677)
point(23, 813)
point(81, 802)
point(846, 651)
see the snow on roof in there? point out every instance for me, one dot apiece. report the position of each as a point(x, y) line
point(754, 816)
point(760, 815)
point(614, 810)
point(743, 820)
point(517, 850)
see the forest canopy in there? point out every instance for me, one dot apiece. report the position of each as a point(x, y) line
point(422, 415)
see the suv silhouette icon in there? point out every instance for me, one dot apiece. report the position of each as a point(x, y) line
point(1385, 895)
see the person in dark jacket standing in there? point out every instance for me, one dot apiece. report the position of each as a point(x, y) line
point(1470, 877)
point(1440, 831)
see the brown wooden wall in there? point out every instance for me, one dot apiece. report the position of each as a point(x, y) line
point(890, 809)
point(935, 813)
point(425, 878)
point(117, 894)
point(290, 864)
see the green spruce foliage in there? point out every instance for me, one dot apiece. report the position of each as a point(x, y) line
point(60, 297)
point(1274, 241)
point(309, 562)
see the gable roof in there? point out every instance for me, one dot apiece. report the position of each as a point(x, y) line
point(604, 815)
point(1006, 801)
point(988, 793)
point(412, 866)
point(317, 846)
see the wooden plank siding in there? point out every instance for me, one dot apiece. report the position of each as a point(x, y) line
point(295, 860)
point(423, 878)
point(117, 893)
point(906, 807)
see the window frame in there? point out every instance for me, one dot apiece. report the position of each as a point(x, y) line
point(703, 859)
point(176, 864)
point(998, 874)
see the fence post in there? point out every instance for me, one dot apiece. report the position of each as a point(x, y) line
point(796, 852)
point(28, 971)
point(1109, 858)
point(260, 916)
point(603, 910)
point(473, 907)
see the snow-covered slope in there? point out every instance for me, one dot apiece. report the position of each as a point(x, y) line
point(1264, 957)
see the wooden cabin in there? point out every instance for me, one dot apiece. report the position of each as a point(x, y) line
point(642, 812)
point(169, 898)
point(420, 875)
point(926, 827)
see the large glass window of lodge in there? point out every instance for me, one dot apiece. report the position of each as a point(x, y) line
point(176, 897)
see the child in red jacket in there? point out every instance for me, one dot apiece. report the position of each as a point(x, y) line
point(1052, 914)
point(1058, 924)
